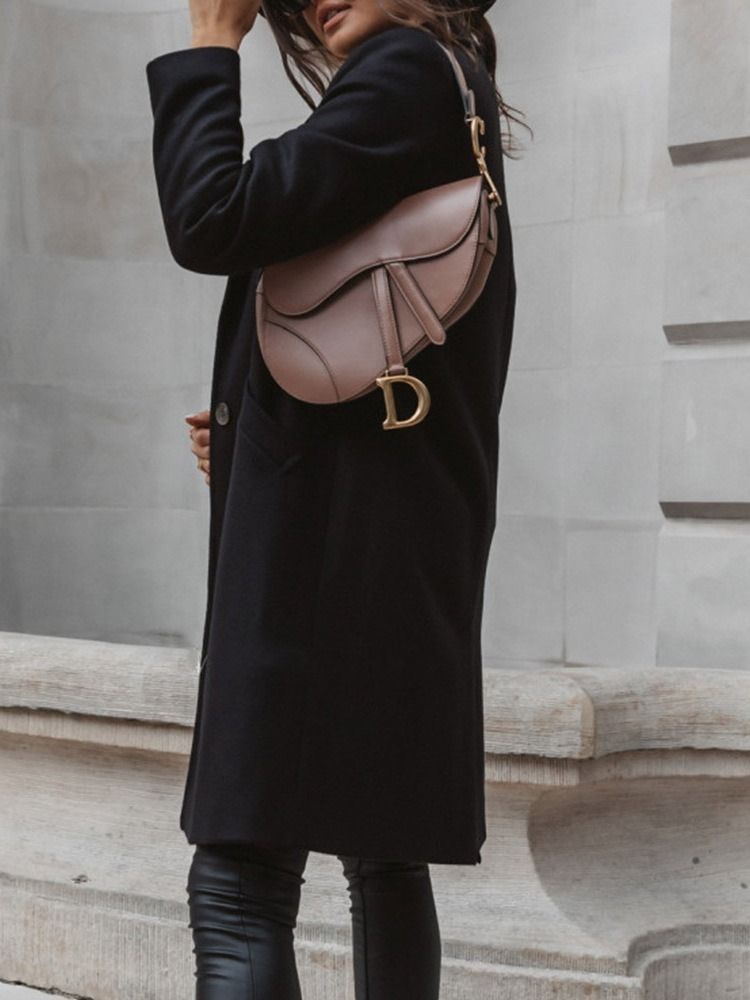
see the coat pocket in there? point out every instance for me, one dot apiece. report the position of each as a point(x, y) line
point(274, 448)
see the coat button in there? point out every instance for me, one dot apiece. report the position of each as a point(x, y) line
point(222, 414)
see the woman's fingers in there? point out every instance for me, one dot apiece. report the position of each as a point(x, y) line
point(200, 443)
point(199, 419)
point(200, 435)
point(216, 18)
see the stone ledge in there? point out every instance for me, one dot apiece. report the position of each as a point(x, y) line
point(569, 713)
point(101, 679)
point(589, 712)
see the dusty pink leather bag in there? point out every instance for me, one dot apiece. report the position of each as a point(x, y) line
point(338, 321)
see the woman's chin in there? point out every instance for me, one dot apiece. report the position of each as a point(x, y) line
point(343, 40)
point(347, 35)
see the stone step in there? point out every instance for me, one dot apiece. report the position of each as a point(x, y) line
point(618, 804)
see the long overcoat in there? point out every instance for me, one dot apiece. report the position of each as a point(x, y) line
point(340, 696)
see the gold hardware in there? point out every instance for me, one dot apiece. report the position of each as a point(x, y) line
point(423, 395)
point(476, 124)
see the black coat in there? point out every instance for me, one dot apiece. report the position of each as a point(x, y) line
point(340, 699)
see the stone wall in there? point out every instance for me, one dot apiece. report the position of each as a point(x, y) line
point(573, 574)
point(106, 342)
point(621, 536)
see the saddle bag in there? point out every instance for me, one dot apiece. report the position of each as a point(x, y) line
point(341, 320)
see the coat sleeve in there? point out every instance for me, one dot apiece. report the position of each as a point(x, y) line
point(387, 113)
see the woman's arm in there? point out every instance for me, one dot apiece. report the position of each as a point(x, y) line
point(391, 108)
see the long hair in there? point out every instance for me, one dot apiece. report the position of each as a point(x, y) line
point(464, 26)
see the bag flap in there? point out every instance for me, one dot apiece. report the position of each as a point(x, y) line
point(421, 225)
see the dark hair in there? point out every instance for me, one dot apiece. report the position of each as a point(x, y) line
point(448, 21)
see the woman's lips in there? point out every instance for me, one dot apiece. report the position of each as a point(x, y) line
point(332, 21)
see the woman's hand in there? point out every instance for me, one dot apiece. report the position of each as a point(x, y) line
point(222, 22)
point(199, 434)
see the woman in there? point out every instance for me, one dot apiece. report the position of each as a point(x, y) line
point(340, 693)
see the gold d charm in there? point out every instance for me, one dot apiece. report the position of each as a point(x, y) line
point(391, 420)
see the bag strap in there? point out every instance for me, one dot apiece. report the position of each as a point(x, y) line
point(467, 94)
point(475, 123)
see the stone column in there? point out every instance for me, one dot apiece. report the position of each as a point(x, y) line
point(704, 488)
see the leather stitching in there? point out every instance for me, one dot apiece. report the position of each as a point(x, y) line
point(313, 348)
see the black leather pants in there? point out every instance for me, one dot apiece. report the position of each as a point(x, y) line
point(243, 902)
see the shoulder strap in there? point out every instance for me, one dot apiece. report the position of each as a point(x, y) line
point(475, 123)
point(467, 94)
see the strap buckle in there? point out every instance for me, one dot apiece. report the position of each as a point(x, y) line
point(476, 124)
